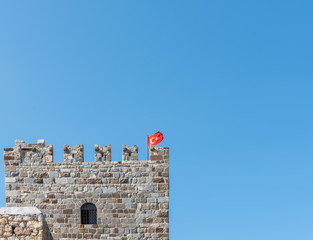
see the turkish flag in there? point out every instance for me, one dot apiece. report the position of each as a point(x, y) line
point(155, 139)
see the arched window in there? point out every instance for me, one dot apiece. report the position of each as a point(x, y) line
point(88, 214)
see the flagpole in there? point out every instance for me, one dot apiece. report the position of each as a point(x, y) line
point(147, 147)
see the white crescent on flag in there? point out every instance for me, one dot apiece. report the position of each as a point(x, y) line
point(152, 141)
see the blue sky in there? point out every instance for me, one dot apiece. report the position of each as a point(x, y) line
point(228, 83)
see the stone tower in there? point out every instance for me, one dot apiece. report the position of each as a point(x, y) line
point(104, 199)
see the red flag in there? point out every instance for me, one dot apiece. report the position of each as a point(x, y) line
point(155, 139)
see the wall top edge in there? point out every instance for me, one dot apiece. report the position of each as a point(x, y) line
point(19, 211)
point(105, 164)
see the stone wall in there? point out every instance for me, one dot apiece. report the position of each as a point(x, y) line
point(25, 223)
point(131, 196)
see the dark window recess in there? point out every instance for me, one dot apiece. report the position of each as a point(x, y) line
point(88, 214)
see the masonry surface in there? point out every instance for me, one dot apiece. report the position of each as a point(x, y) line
point(131, 196)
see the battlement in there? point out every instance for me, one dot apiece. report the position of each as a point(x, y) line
point(40, 153)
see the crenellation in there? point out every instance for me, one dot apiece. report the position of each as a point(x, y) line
point(130, 153)
point(103, 153)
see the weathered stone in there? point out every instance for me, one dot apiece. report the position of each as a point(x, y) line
point(158, 180)
point(124, 180)
point(162, 213)
point(41, 174)
point(10, 179)
point(8, 157)
point(39, 180)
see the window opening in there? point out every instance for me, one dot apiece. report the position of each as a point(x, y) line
point(88, 214)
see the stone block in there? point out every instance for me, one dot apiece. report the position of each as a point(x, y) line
point(10, 179)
